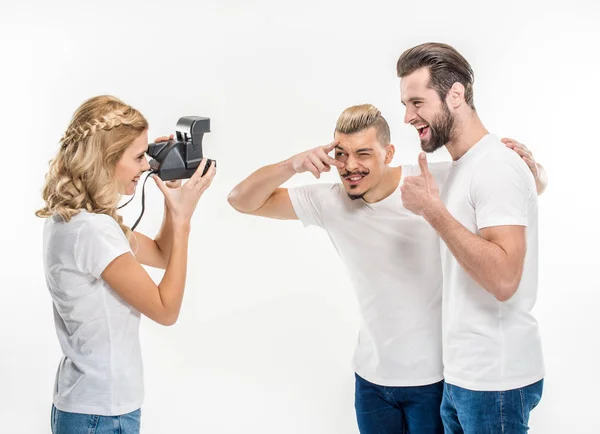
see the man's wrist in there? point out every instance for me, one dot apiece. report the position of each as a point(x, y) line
point(288, 166)
point(432, 212)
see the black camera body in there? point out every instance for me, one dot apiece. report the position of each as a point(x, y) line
point(179, 159)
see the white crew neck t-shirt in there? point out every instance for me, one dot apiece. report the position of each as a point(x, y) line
point(101, 370)
point(392, 257)
point(491, 345)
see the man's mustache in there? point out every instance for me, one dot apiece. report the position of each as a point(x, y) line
point(347, 174)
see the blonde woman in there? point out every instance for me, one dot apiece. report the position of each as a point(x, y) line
point(93, 265)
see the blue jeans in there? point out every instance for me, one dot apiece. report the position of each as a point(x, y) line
point(75, 423)
point(398, 410)
point(471, 412)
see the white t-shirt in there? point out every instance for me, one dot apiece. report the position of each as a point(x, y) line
point(101, 370)
point(491, 345)
point(393, 260)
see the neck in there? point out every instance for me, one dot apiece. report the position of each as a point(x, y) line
point(388, 184)
point(468, 131)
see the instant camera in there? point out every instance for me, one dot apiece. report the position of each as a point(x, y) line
point(179, 158)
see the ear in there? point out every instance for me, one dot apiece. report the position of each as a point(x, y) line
point(456, 95)
point(390, 151)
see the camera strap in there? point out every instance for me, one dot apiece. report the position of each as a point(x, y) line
point(143, 200)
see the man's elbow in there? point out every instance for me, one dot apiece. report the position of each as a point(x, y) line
point(506, 289)
point(540, 189)
point(169, 319)
point(234, 199)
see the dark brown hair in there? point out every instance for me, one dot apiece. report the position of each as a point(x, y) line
point(446, 66)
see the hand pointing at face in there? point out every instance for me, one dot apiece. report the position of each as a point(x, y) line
point(316, 161)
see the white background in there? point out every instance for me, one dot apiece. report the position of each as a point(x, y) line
point(269, 320)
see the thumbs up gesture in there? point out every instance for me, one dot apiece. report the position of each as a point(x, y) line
point(420, 194)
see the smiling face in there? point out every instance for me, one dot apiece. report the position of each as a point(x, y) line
point(364, 161)
point(426, 111)
point(132, 164)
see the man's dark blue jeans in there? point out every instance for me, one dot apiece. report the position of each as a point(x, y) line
point(473, 412)
point(398, 410)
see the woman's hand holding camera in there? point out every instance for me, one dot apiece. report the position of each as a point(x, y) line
point(182, 199)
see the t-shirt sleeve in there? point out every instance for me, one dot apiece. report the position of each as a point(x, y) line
point(409, 170)
point(310, 202)
point(99, 242)
point(440, 171)
point(501, 189)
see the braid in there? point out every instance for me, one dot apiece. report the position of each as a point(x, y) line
point(81, 177)
point(76, 133)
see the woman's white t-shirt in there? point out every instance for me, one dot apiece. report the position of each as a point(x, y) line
point(101, 370)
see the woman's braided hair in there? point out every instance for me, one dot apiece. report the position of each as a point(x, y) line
point(81, 175)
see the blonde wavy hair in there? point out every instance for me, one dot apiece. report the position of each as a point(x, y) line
point(82, 174)
point(361, 117)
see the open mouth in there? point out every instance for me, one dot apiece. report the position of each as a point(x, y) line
point(423, 130)
point(354, 178)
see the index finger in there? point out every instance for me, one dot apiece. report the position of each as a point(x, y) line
point(164, 138)
point(208, 176)
point(198, 173)
point(328, 148)
point(325, 158)
point(518, 145)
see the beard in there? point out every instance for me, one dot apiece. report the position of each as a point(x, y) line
point(356, 196)
point(441, 130)
point(364, 173)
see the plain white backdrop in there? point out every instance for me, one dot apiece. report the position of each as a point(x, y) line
point(269, 320)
